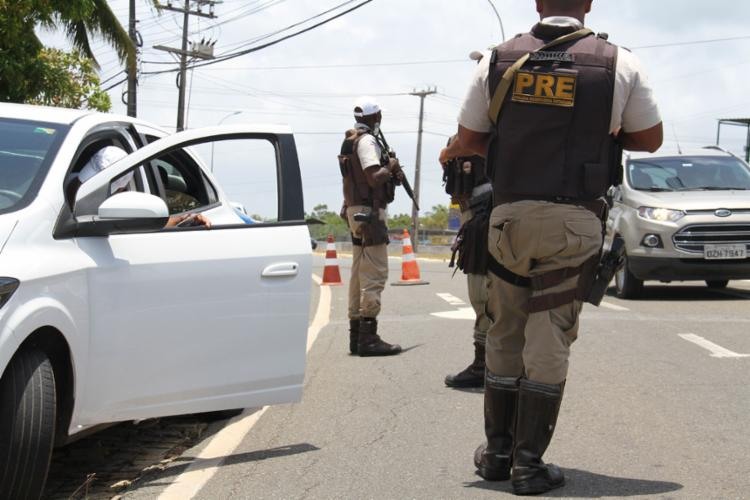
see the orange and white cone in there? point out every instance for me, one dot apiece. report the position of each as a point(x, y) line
point(331, 274)
point(409, 266)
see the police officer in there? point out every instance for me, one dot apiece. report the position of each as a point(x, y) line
point(548, 108)
point(369, 177)
point(467, 182)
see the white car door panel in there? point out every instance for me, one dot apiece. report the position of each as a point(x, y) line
point(195, 320)
point(191, 321)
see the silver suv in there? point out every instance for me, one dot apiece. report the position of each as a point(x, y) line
point(683, 216)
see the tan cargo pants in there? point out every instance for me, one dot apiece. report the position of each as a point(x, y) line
point(530, 238)
point(369, 270)
point(477, 284)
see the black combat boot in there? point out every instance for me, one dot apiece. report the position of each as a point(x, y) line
point(493, 459)
point(370, 344)
point(538, 406)
point(473, 375)
point(353, 335)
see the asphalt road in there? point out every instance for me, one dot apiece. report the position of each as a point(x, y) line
point(655, 406)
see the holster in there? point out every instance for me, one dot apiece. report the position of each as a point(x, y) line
point(469, 251)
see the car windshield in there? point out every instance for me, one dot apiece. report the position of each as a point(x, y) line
point(26, 151)
point(688, 173)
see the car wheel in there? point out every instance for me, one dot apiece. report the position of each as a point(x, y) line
point(27, 424)
point(717, 283)
point(627, 286)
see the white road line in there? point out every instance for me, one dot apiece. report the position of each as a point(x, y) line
point(614, 307)
point(451, 299)
point(462, 313)
point(224, 442)
point(716, 350)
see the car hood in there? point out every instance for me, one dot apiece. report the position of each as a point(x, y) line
point(693, 200)
point(7, 224)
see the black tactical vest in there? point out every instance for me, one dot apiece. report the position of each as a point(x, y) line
point(357, 191)
point(552, 137)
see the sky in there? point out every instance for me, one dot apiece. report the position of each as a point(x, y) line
point(389, 48)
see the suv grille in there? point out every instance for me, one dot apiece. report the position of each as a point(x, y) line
point(692, 238)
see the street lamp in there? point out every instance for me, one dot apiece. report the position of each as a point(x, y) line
point(214, 143)
point(502, 31)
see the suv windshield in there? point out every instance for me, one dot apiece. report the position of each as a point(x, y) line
point(686, 173)
point(26, 151)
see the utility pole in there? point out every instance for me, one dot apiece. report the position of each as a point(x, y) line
point(132, 68)
point(414, 212)
point(200, 50)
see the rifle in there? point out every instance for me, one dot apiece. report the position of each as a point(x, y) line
point(391, 154)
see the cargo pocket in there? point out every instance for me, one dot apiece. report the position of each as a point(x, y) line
point(584, 237)
point(499, 242)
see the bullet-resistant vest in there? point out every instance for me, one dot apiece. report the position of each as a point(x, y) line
point(357, 191)
point(552, 136)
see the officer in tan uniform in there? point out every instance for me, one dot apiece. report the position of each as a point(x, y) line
point(467, 182)
point(549, 109)
point(369, 177)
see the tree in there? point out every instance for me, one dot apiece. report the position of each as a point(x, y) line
point(21, 65)
point(436, 219)
point(68, 79)
point(332, 223)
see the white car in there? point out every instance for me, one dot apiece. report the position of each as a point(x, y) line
point(107, 316)
point(683, 215)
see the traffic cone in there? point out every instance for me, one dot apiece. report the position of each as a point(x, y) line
point(331, 274)
point(409, 266)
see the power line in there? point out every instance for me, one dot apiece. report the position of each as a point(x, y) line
point(695, 42)
point(266, 45)
point(330, 66)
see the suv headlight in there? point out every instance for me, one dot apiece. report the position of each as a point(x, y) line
point(660, 214)
point(7, 287)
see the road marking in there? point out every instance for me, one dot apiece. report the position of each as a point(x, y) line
point(614, 307)
point(451, 299)
point(716, 350)
point(462, 313)
point(224, 442)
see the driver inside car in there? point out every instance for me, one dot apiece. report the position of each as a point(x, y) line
point(109, 155)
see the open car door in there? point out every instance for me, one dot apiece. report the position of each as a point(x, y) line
point(191, 319)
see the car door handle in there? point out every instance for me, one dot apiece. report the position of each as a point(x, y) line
point(281, 269)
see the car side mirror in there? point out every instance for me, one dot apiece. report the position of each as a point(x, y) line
point(125, 213)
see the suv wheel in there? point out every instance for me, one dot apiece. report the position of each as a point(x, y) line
point(627, 286)
point(717, 283)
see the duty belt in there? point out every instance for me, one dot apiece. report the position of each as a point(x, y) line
point(597, 206)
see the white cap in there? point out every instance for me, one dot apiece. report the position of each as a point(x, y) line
point(366, 106)
point(103, 159)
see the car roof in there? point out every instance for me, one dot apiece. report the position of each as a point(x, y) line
point(672, 153)
point(63, 116)
point(66, 116)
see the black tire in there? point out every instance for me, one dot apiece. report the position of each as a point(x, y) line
point(27, 425)
point(717, 283)
point(627, 286)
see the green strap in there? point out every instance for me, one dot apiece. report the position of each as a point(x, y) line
point(502, 88)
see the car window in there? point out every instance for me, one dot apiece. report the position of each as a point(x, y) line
point(689, 173)
point(185, 187)
point(247, 170)
point(26, 151)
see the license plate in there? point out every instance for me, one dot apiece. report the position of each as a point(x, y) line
point(717, 252)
